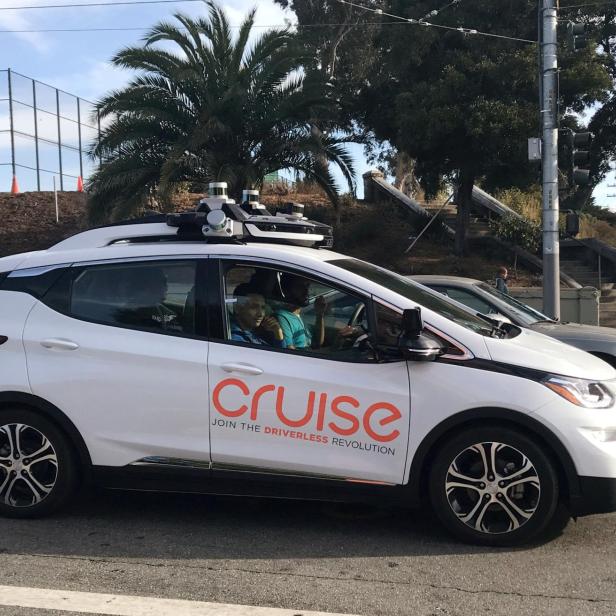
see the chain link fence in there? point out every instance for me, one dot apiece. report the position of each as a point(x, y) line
point(44, 134)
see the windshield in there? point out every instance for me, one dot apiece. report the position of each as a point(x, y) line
point(417, 293)
point(523, 312)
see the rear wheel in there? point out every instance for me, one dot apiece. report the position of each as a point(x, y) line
point(37, 467)
point(494, 486)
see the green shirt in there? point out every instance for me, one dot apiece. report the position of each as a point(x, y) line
point(293, 329)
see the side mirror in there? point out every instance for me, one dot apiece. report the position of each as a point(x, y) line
point(499, 318)
point(414, 344)
point(412, 323)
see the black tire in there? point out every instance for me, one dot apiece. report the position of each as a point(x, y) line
point(22, 479)
point(491, 512)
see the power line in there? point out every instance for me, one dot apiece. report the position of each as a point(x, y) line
point(579, 6)
point(72, 30)
point(436, 12)
point(141, 28)
point(86, 4)
point(421, 22)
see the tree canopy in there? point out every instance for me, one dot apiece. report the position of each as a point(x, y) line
point(463, 105)
point(207, 106)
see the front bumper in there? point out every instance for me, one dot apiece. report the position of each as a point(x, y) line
point(596, 495)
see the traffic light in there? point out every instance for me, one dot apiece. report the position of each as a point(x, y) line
point(575, 148)
point(576, 36)
point(572, 224)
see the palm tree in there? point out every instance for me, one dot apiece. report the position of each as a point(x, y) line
point(216, 109)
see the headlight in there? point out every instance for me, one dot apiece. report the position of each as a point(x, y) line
point(589, 394)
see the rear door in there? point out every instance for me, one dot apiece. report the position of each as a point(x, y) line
point(120, 348)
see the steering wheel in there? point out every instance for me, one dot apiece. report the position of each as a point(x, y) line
point(357, 315)
point(356, 321)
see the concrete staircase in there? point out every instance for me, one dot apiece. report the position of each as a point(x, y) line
point(479, 225)
point(580, 260)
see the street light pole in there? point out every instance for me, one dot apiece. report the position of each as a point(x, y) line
point(549, 160)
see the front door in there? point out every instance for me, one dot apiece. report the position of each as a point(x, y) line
point(294, 384)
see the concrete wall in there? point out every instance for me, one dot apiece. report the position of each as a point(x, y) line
point(576, 305)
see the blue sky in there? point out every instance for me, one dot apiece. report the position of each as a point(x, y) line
point(78, 62)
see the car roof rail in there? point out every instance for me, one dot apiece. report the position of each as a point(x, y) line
point(112, 234)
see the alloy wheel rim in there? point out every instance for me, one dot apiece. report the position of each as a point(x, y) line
point(493, 488)
point(28, 465)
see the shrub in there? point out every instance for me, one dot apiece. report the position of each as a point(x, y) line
point(519, 232)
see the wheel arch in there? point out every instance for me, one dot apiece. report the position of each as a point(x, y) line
point(18, 399)
point(446, 429)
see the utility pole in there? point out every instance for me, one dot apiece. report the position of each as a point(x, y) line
point(549, 160)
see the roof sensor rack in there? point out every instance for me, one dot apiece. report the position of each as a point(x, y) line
point(217, 216)
point(217, 219)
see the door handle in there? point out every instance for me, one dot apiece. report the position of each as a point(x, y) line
point(59, 343)
point(242, 368)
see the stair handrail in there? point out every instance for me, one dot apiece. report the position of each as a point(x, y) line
point(482, 198)
point(379, 179)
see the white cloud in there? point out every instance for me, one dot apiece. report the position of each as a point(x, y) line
point(25, 20)
point(96, 79)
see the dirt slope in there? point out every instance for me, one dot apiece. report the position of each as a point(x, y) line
point(375, 233)
point(28, 220)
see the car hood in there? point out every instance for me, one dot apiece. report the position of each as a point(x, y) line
point(533, 350)
point(576, 331)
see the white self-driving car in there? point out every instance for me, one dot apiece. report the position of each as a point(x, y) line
point(174, 355)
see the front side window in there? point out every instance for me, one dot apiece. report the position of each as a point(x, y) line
point(278, 309)
point(467, 298)
point(417, 293)
point(526, 314)
point(151, 296)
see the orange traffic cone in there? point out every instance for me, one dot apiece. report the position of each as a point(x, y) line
point(79, 184)
point(14, 186)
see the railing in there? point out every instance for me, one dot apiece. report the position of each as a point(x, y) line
point(484, 200)
point(375, 179)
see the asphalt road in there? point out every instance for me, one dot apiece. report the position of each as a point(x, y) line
point(302, 556)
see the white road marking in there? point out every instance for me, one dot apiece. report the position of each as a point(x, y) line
point(125, 605)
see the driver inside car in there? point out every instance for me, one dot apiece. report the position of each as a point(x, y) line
point(295, 291)
point(298, 335)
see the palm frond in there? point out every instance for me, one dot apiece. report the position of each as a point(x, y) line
point(211, 107)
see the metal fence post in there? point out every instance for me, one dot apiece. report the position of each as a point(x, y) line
point(79, 135)
point(98, 122)
point(59, 138)
point(36, 143)
point(11, 125)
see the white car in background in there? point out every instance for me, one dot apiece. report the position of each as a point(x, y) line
point(120, 365)
point(484, 298)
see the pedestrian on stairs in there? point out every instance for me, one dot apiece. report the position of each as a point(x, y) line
point(501, 280)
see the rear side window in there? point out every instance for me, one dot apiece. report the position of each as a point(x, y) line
point(156, 296)
point(35, 281)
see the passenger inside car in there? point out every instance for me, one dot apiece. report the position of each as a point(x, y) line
point(249, 322)
point(146, 289)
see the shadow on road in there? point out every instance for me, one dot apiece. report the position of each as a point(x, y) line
point(147, 525)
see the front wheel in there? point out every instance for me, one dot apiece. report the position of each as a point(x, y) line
point(37, 468)
point(494, 486)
